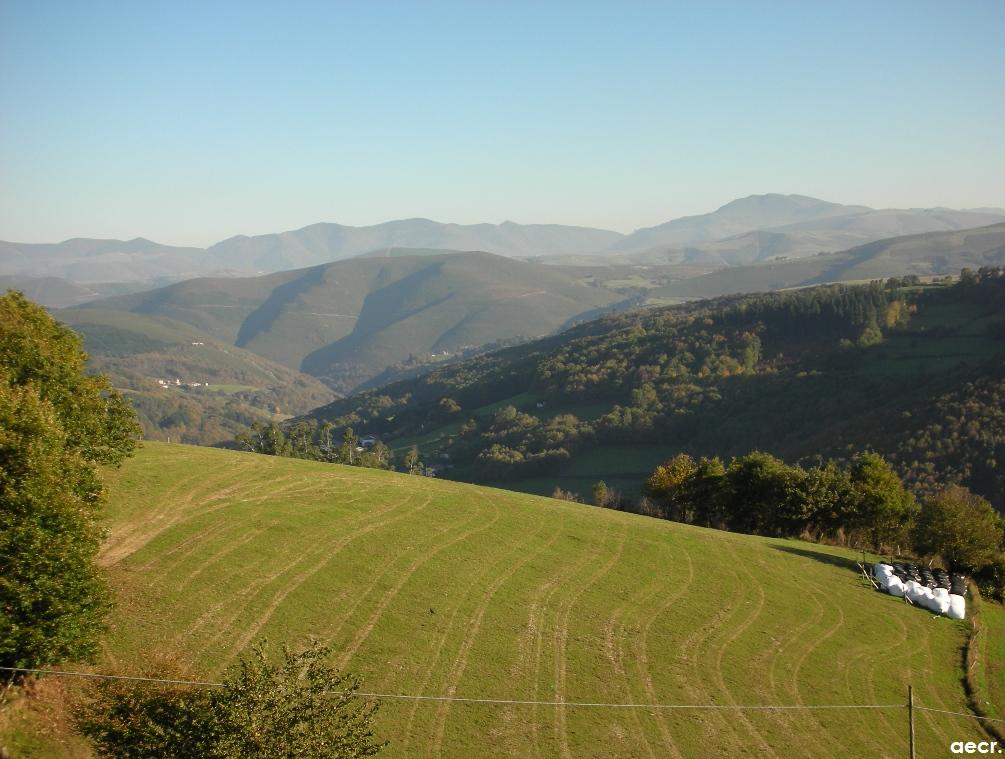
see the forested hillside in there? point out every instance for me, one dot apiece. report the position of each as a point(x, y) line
point(186, 386)
point(914, 372)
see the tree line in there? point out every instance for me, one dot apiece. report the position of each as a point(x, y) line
point(863, 503)
point(308, 439)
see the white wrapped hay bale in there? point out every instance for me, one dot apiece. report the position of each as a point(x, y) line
point(881, 572)
point(940, 598)
point(895, 587)
point(913, 591)
point(957, 607)
point(927, 598)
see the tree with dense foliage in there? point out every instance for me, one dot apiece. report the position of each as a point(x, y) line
point(301, 707)
point(601, 494)
point(57, 426)
point(960, 527)
point(885, 508)
point(668, 487)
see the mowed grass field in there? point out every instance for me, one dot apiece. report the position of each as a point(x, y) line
point(437, 588)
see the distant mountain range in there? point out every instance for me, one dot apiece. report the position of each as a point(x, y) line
point(348, 321)
point(932, 253)
point(748, 230)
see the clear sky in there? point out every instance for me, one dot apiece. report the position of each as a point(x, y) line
point(188, 122)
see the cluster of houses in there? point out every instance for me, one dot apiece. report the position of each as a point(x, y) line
point(178, 383)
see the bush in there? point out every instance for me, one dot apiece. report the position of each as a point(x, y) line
point(301, 707)
point(960, 527)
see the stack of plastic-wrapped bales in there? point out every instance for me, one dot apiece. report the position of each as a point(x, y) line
point(934, 589)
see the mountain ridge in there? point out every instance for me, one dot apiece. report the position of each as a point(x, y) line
point(812, 225)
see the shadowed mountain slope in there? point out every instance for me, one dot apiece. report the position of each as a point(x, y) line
point(348, 321)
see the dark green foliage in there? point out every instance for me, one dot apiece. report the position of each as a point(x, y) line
point(57, 425)
point(301, 707)
point(52, 600)
point(925, 387)
point(762, 495)
point(961, 528)
point(309, 440)
point(882, 505)
point(865, 504)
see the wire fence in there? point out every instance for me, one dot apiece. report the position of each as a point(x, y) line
point(524, 702)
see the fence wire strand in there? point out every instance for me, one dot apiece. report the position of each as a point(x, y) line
point(514, 701)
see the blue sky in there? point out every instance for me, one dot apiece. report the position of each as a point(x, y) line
point(188, 122)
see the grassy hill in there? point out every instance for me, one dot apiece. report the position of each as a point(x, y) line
point(347, 322)
point(917, 373)
point(438, 588)
point(235, 387)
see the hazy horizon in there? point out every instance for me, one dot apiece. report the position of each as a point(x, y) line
point(190, 127)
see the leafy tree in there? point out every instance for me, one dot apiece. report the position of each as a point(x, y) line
point(411, 459)
point(35, 349)
point(962, 528)
point(601, 494)
point(830, 504)
point(300, 707)
point(765, 495)
point(349, 444)
point(378, 457)
point(707, 492)
point(268, 439)
point(883, 506)
point(669, 486)
point(57, 425)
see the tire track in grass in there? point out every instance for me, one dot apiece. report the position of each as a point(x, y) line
point(736, 634)
point(489, 571)
point(369, 520)
point(255, 627)
point(389, 596)
point(561, 642)
point(166, 518)
point(123, 533)
point(461, 660)
point(232, 546)
point(183, 549)
point(716, 724)
point(869, 675)
point(532, 643)
point(615, 634)
point(226, 550)
point(798, 724)
point(867, 678)
point(934, 693)
point(642, 662)
point(829, 633)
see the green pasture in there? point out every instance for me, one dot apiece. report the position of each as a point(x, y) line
point(429, 587)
